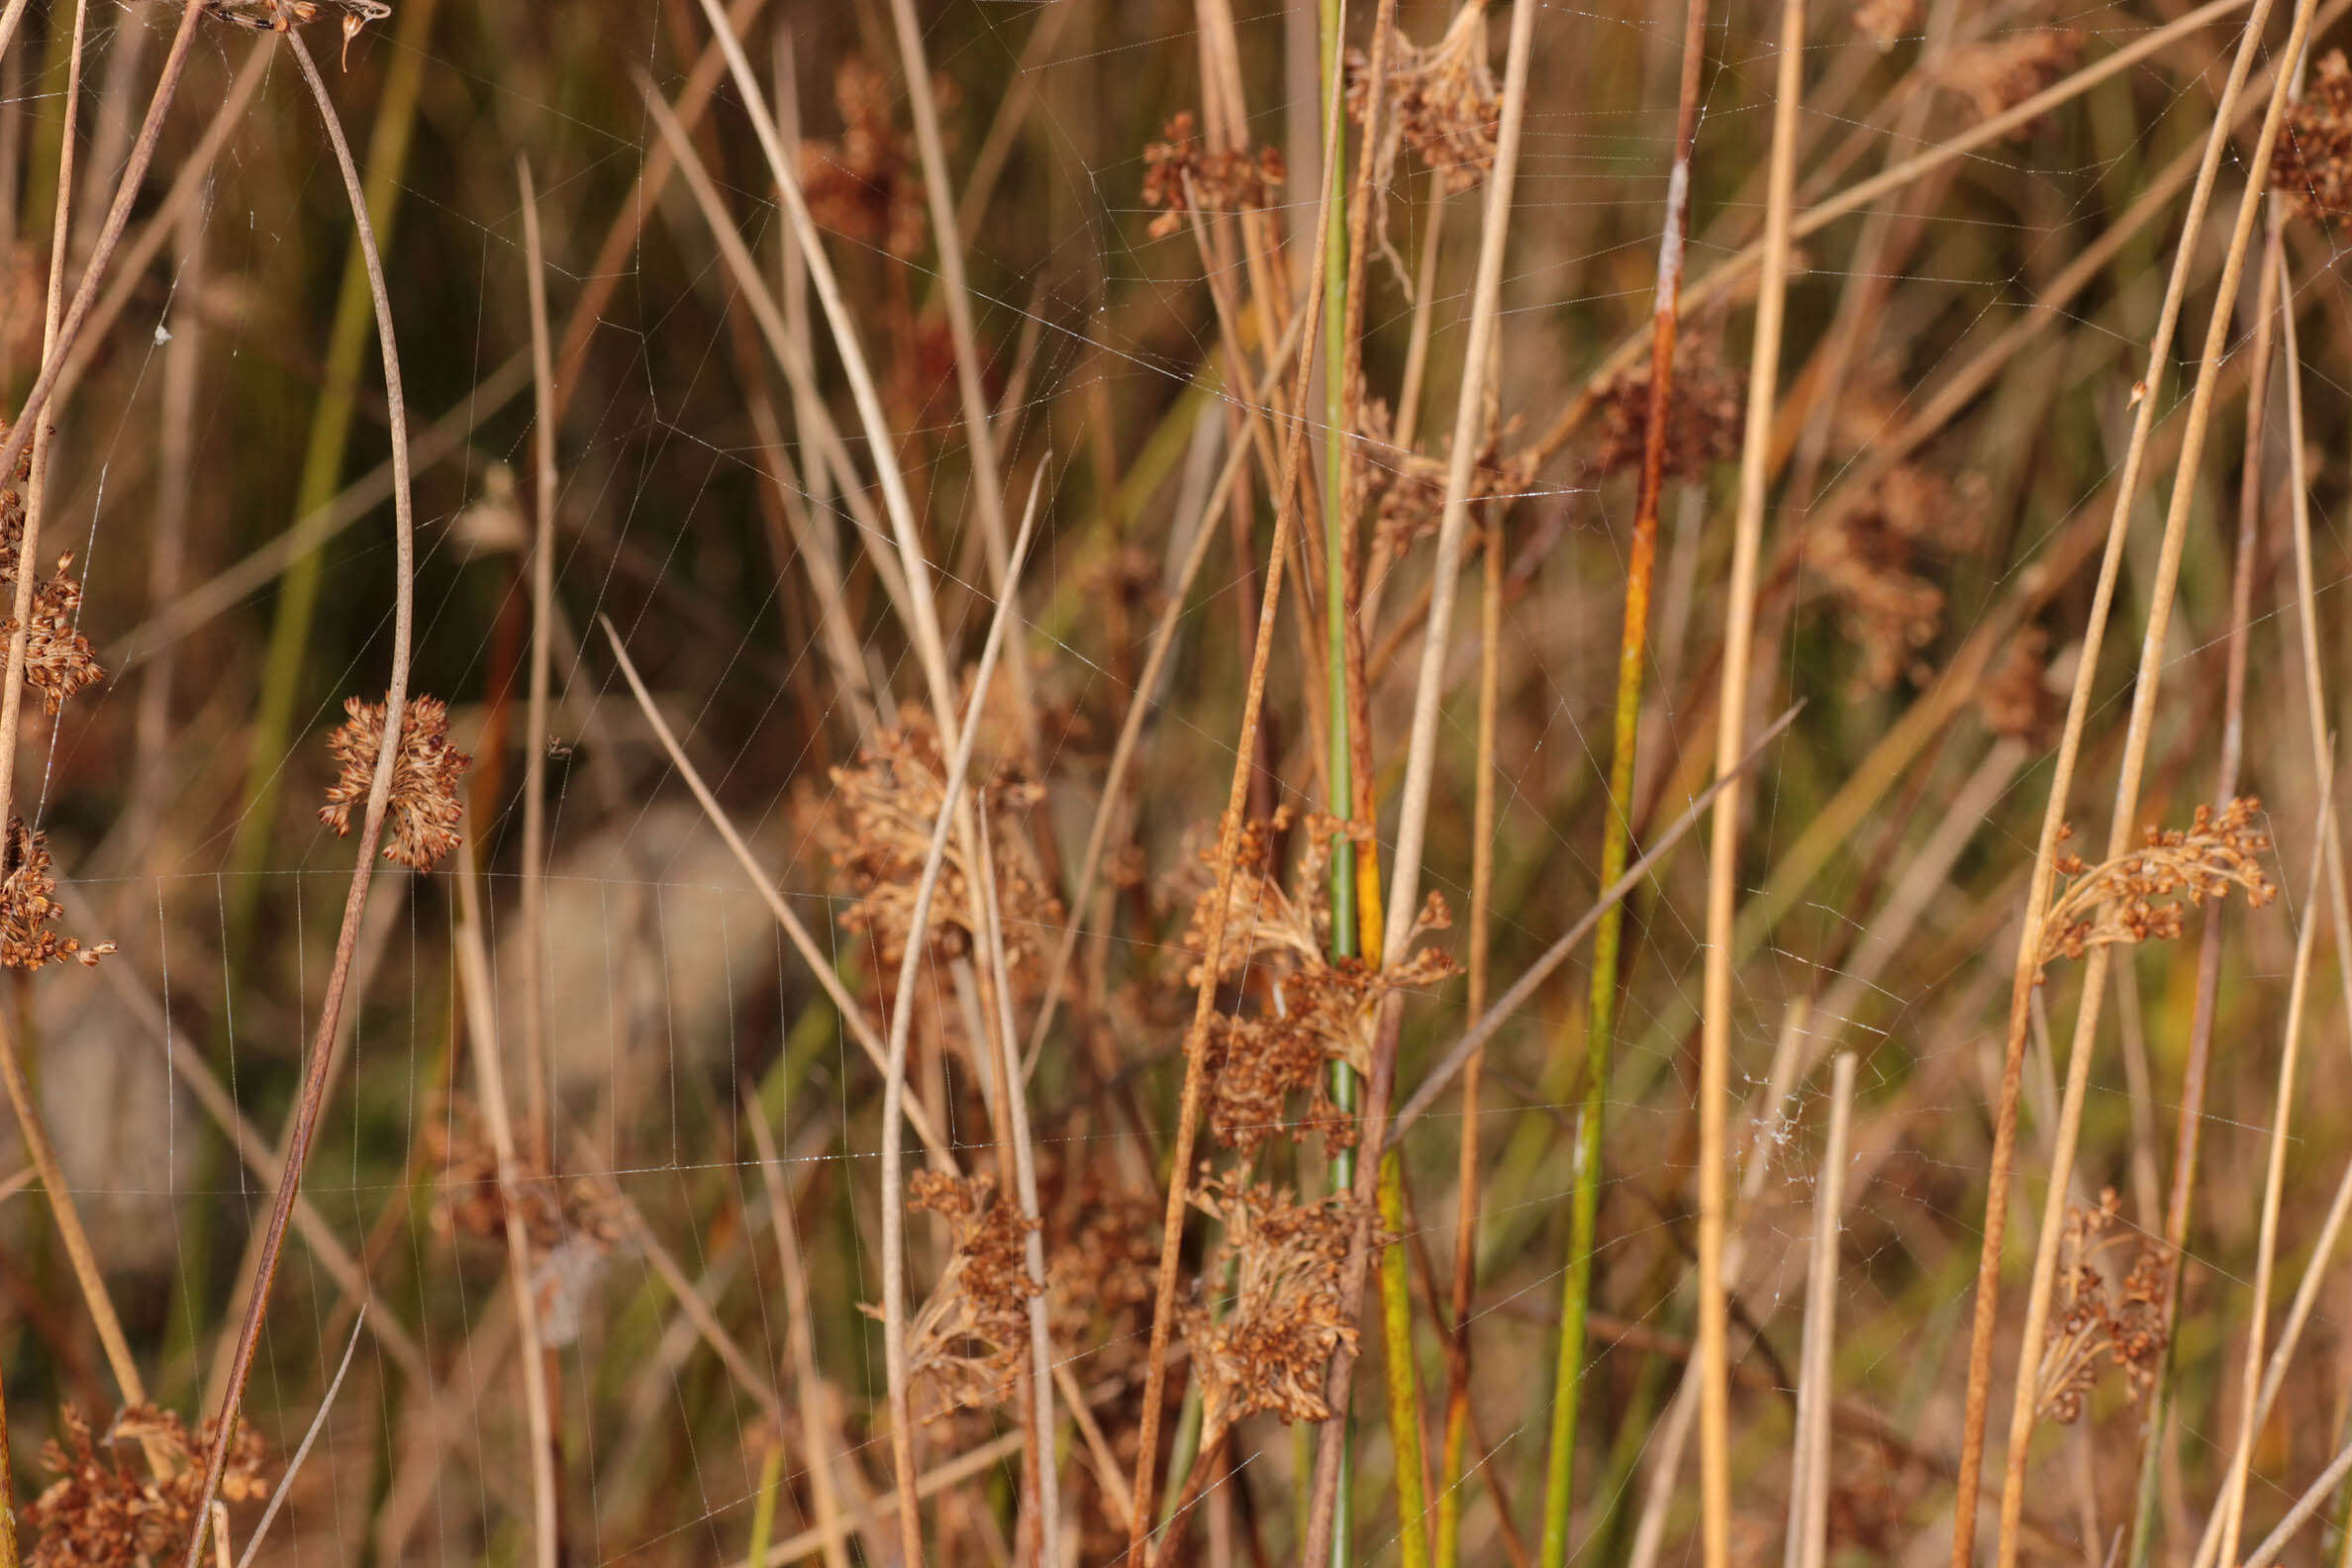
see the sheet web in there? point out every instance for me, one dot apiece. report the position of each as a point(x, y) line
point(698, 512)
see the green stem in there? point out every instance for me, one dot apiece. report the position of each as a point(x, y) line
point(1344, 932)
point(763, 1510)
point(1403, 1394)
point(1600, 1037)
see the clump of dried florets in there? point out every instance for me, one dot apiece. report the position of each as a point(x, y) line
point(867, 185)
point(26, 907)
point(554, 1210)
point(2118, 902)
point(1999, 74)
point(2015, 700)
point(1181, 174)
point(1103, 1268)
point(877, 829)
point(58, 659)
point(966, 1344)
point(1265, 1353)
point(1441, 100)
point(1317, 1010)
point(1410, 488)
point(2095, 1322)
point(1869, 555)
point(129, 1499)
point(2313, 163)
point(421, 817)
point(1703, 419)
point(1885, 21)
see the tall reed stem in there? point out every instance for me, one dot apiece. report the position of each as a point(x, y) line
point(1559, 1477)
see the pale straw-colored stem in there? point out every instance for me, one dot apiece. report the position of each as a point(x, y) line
point(1986, 1309)
point(894, 1071)
point(539, 1122)
point(1723, 885)
point(1808, 1541)
point(481, 1032)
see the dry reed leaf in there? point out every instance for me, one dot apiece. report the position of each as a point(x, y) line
point(108, 1507)
point(2118, 902)
point(420, 815)
point(2093, 1323)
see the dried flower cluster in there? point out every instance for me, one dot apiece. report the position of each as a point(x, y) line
point(2118, 902)
point(1999, 74)
point(1441, 100)
point(1180, 173)
point(556, 1209)
point(1102, 1268)
point(420, 815)
point(58, 659)
point(877, 829)
point(2014, 699)
point(26, 907)
point(966, 1345)
point(2313, 163)
point(1702, 417)
point(1317, 1010)
point(1264, 1354)
point(111, 1508)
point(2094, 1322)
point(1886, 22)
point(1869, 555)
point(867, 186)
point(1408, 489)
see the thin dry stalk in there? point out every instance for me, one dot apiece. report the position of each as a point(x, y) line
point(800, 1342)
point(1013, 1095)
point(310, 1436)
point(1451, 1491)
point(1715, 1050)
point(2307, 1295)
point(929, 645)
point(852, 1013)
point(2310, 1504)
point(894, 1070)
point(2027, 968)
point(481, 1031)
point(312, 1102)
point(540, 1124)
point(2233, 1504)
point(2128, 786)
point(1808, 1486)
point(1139, 705)
point(1196, 1053)
point(91, 1279)
point(948, 240)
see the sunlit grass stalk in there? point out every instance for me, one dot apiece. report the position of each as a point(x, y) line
point(1633, 658)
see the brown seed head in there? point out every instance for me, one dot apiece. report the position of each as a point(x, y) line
point(2313, 163)
point(2139, 895)
point(27, 907)
point(111, 1508)
point(420, 815)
